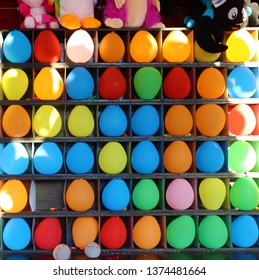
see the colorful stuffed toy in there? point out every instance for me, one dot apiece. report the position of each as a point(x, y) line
point(36, 14)
point(132, 13)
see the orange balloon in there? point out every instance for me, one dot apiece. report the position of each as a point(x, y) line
point(178, 120)
point(255, 108)
point(177, 157)
point(210, 119)
point(16, 121)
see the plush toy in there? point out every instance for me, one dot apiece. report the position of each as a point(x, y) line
point(36, 14)
point(253, 9)
point(132, 13)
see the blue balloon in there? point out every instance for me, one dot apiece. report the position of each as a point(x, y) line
point(79, 84)
point(16, 47)
point(14, 159)
point(48, 158)
point(209, 157)
point(145, 121)
point(80, 158)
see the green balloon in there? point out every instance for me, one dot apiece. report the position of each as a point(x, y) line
point(255, 145)
point(147, 82)
point(180, 233)
point(244, 194)
point(145, 195)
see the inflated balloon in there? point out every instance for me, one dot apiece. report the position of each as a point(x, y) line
point(14, 159)
point(212, 192)
point(13, 196)
point(177, 157)
point(14, 83)
point(143, 47)
point(17, 47)
point(47, 48)
point(84, 231)
point(255, 145)
point(16, 121)
point(47, 121)
point(178, 120)
point(79, 84)
point(113, 121)
point(201, 55)
point(80, 195)
point(80, 46)
point(48, 158)
point(111, 47)
point(212, 232)
point(145, 195)
point(145, 157)
point(210, 157)
point(145, 120)
point(80, 121)
point(113, 233)
point(112, 84)
point(180, 233)
point(179, 194)
point(147, 82)
point(48, 233)
point(147, 233)
point(16, 234)
point(255, 108)
point(116, 195)
point(112, 158)
point(176, 47)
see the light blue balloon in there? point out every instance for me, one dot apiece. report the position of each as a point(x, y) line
point(80, 158)
point(1, 148)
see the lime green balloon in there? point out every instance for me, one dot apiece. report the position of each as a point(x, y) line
point(180, 233)
point(145, 195)
point(213, 232)
point(244, 194)
point(255, 145)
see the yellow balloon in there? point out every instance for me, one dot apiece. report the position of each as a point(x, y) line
point(14, 83)
point(202, 56)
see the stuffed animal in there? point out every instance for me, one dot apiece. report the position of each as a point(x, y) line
point(36, 14)
point(132, 13)
point(253, 7)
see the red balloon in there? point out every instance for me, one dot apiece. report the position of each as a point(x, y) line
point(255, 108)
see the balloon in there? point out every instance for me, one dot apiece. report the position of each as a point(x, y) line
point(146, 233)
point(255, 145)
point(244, 194)
point(177, 157)
point(17, 47)
point(14, 159)
point(209, 157)
point(13, 196)
point(211, 83)
point(147, 82)
point(84, 231)
point(113, 121)
point(112, 84)
point(48, 158)
point(145, 120)
point(79, 84)
point(179, 194)
point(80, 158)
point(80, 195)
point(145, 195)
point(112, 158)
point(178, 120)
point(14, 83)
point(111, 47)
point(16, 234)
point(180, 232)
point(113, 233)
point(176, 47)
point(47, 48)
point(145, 157)
point(16, 121)
point(202, 56)
point(143, 47)
point(80, 121)
point(177, 84)
point(212, 192)
point(212, 232)
point(116, 195)
point(255, 108)
point(47, 121)
point(80, 46)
